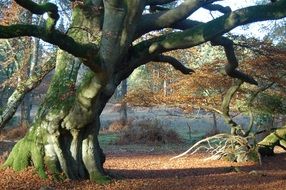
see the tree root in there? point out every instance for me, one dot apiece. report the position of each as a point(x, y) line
point(225, 146)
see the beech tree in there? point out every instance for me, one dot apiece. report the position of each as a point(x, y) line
point(103, 35)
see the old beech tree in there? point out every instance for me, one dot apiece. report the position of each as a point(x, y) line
point(103, 35)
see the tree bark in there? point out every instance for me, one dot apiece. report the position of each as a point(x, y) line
point(276, 138)
point(64, 135)
point(226, 104)
point(63, 138)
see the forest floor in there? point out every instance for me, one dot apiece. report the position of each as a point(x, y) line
point(149, 167)
point(139, 167)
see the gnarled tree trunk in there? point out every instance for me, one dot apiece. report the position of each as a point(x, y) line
point(64, 135)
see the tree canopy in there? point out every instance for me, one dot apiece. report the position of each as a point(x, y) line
point(120, 27)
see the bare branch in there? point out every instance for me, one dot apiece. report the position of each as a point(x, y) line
point(196, 33)
point(55, 37)
point(250, 104)
point(158, 2)
point(232, 65)
point(231, 147)
point(228, 44)
point(225, 106)
point(174, 62)
point(23, 88)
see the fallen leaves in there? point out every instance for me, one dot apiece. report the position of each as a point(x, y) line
point(156, 171)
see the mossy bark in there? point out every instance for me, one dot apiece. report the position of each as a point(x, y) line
point(276, 138)
point(63, 138)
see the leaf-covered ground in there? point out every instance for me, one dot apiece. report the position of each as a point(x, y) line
point(151, 171)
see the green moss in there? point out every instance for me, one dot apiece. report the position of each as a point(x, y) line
point(53, 167)
point(86, 80)
point(27, 152)
point(50, 23)
point(99, 178)
point(61, 95)
point(37, 154)
point(21, 156)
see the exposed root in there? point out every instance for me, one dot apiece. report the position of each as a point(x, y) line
point(225, 146)
point(23, 154)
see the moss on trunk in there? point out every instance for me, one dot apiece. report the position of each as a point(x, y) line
point(64, 137)
point(28, 150)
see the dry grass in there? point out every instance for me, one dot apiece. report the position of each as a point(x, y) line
point(117, 126)
point(14, 133)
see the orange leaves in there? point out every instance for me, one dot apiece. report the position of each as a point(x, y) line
point(11, 14)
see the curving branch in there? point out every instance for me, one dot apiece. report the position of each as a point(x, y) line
point(217, 27)
point(250, 104)
point(55, 37)
point(225, 107)
point(196, 33)
point(231, 67)
point(217, 7)
point(163, 19)
point(23, 88)
point(228, 44)
point(41, 9)
point(174, 62)
point(158, 2)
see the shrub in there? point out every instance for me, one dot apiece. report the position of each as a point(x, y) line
point(148, 132)
point(13, 133)
point(117, 126)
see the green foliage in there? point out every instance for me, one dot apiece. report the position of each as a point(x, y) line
point(271, 104)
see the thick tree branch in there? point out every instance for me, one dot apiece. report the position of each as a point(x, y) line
point(117, 32)
point(226, 104)
point(40, 9)
point(55, 37)
point(164, 19)
point(196, 33)
point(23, 88)
point(217, 27)
point(216, 7)
point(174, 62)
point(232, 65)
point(158, 2)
